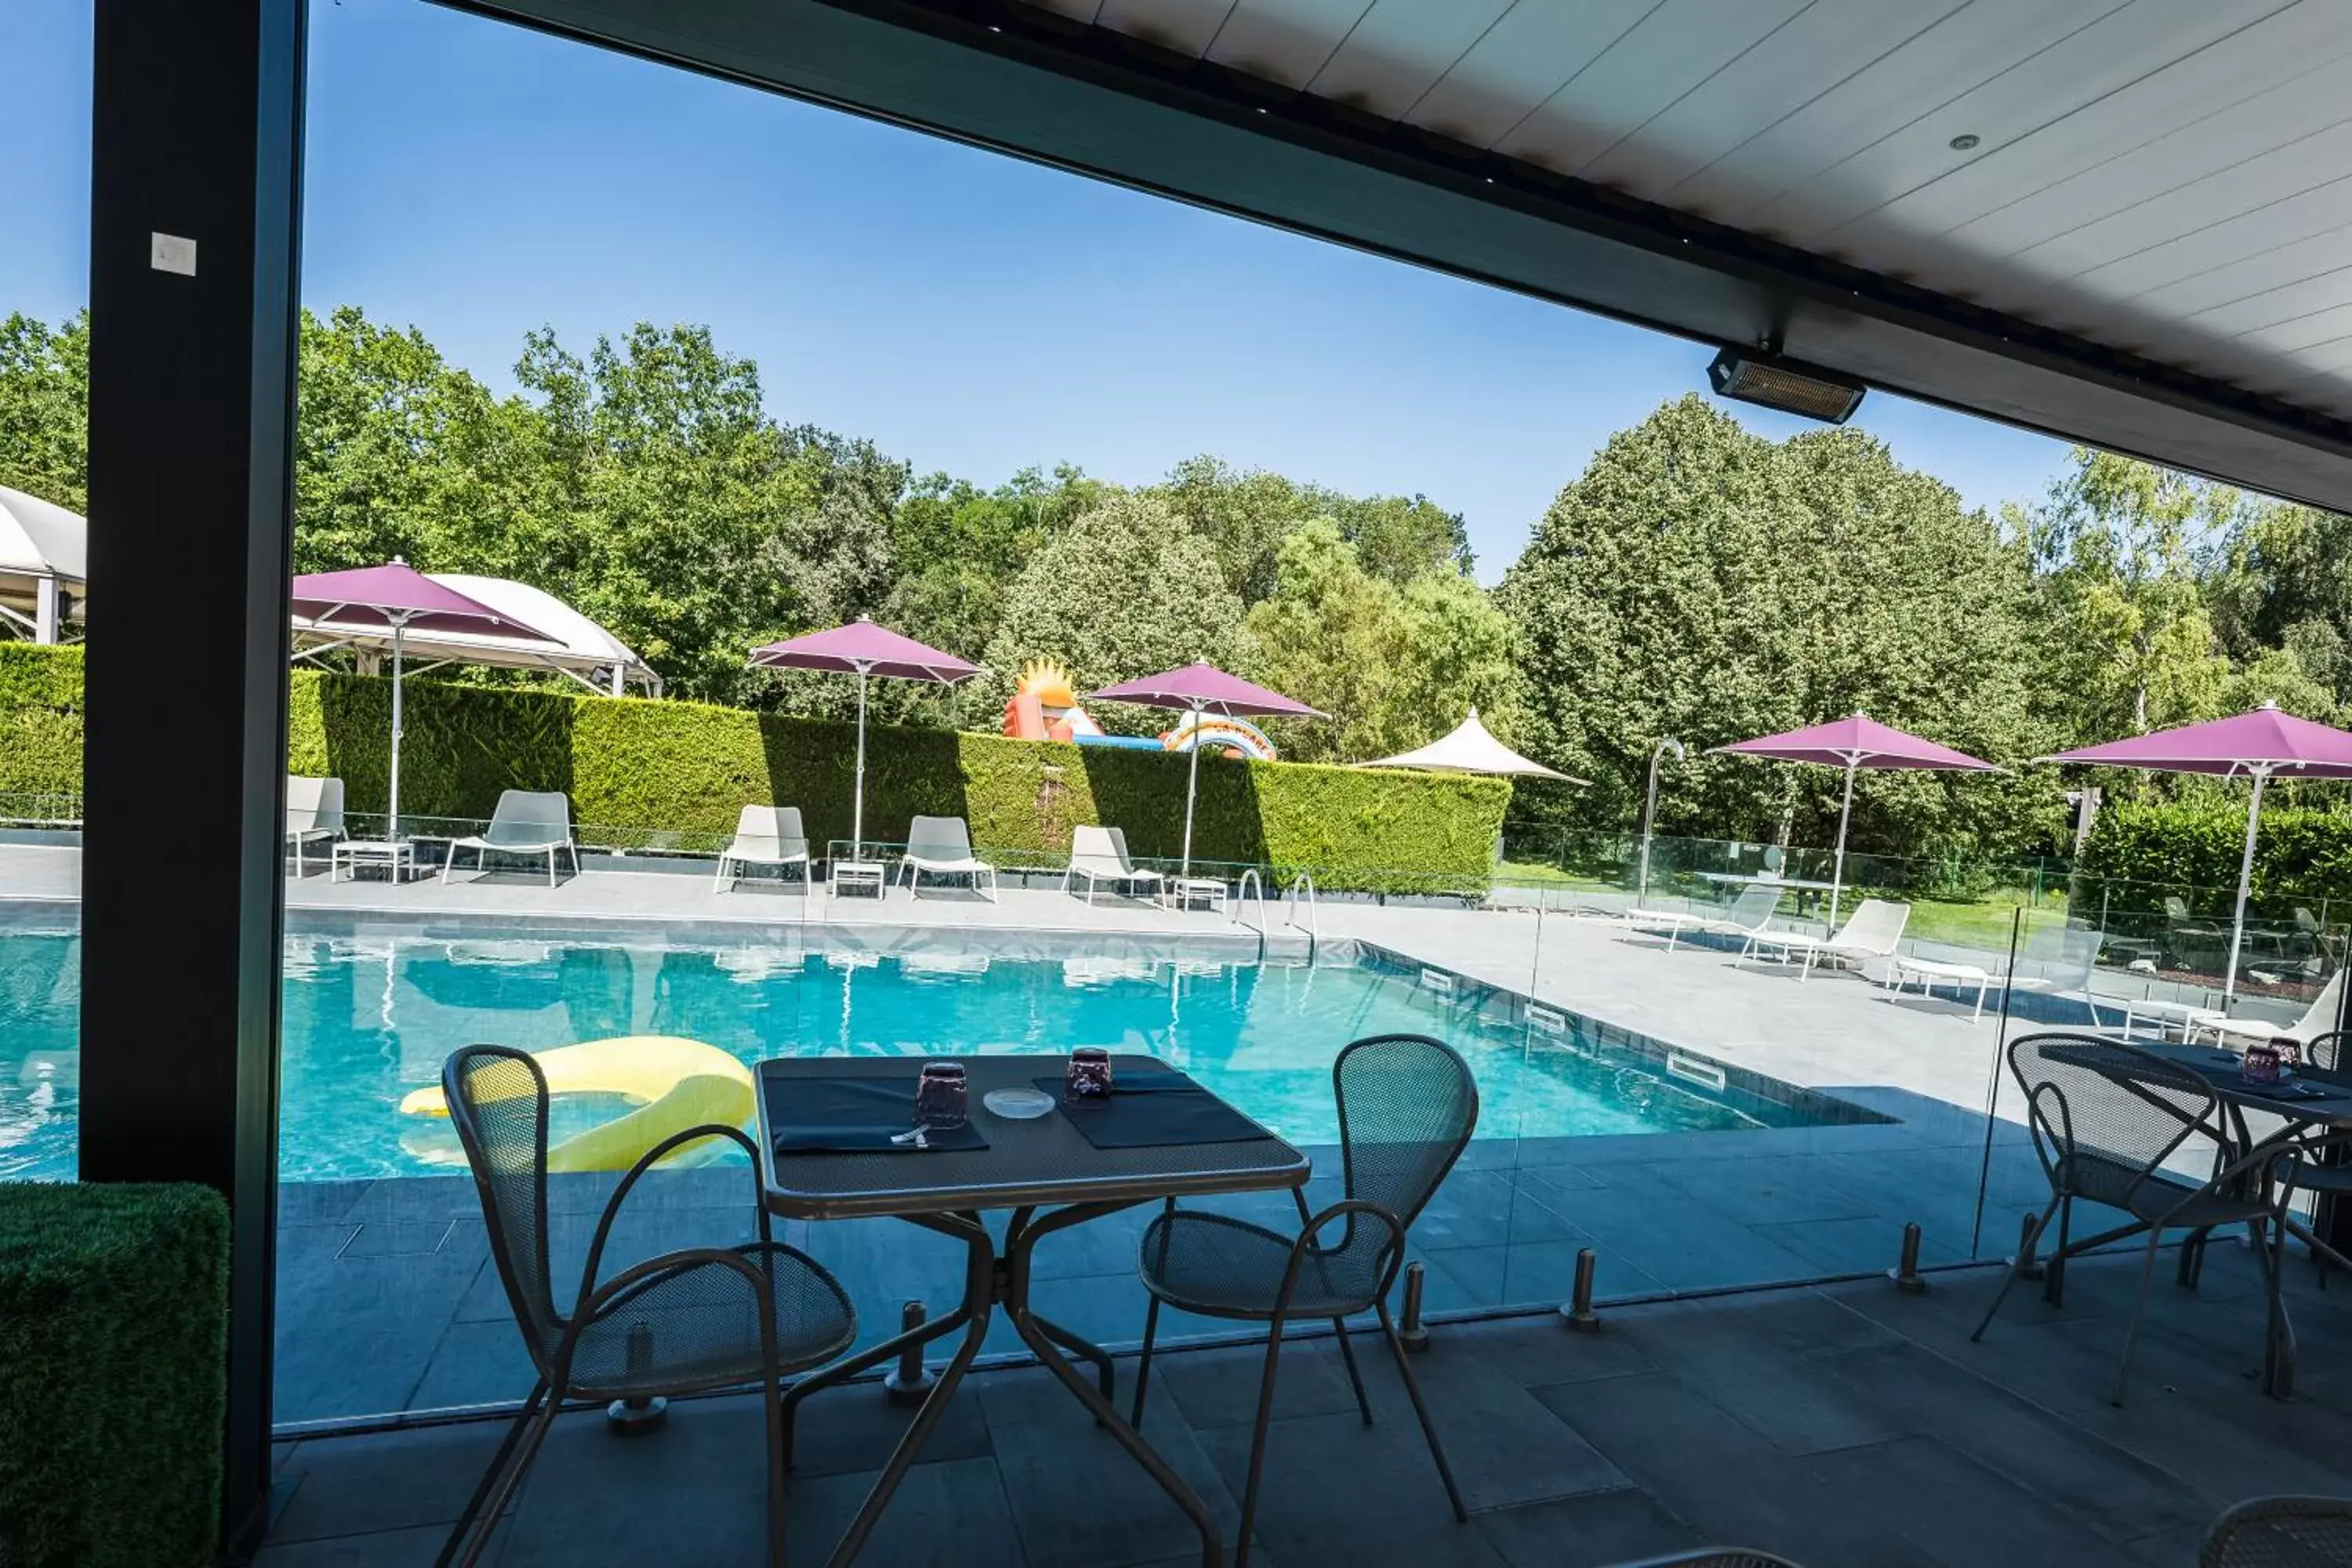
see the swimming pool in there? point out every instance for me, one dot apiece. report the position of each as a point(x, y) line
point(370, 1014)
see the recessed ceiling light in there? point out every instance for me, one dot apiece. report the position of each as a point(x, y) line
point(1966, 141)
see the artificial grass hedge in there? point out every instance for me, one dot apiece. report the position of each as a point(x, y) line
point(651, 768)
point(114, 1333)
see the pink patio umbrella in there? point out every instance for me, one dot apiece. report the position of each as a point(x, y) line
point(1853, 743)
point(1198, 689)
point(398, 596)
point(864, 649)
point(2262, 745)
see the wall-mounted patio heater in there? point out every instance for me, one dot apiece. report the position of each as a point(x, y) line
point(1751, 375)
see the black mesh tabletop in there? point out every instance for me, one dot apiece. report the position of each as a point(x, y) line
point(2313, 1095)
point(1044, 1160)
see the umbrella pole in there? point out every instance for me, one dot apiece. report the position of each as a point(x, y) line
point(857, 805)
point(391, 830)
point(1837, 871)
point(2245, 887)
point(1192, 786)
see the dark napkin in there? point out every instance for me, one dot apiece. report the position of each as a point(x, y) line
point(852, 1116)
point(2294, 1089)
point(1153, 1108)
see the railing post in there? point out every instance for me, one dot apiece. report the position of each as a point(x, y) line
point(645, 1413)
point(1905, 1272)
point(2027, 1264)
point(909, 1382)
point(1412, 1333)
point(1579, 1314)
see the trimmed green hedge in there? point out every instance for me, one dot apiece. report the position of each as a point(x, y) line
point(40, 719)
point(649, 768)
point(114, 1330)
point(2301, 855)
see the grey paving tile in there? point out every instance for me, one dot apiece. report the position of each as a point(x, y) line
point(952, 1514)
point(856, 1428)
point(1220, 1387)
point(1076, 1496)
point(1958, 1511)
point(386, 1548)
point(1727, 1482)
point(359, 1486)
point(694, 1492)
point(475, 1363)
point(1540, 1351)
point(1532, 1273)
point(1590, 1531)
point(1771, 1390)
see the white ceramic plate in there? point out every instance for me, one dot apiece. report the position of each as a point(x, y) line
point(1018, 1104)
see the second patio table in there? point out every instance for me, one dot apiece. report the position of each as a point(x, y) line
point(1049, 1164)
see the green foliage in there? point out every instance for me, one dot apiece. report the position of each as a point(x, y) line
point(1391, 669)
point(2195, 848)
point(1246, 517)
point(1127, 590)
point(1701, 581)
point(645, 772)
point(40, 719)
point(45, 408)
point(113, 1326)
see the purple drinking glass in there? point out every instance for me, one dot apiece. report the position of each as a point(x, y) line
point(1088, 1075)
point(942, 1097)
point(2260, 1066)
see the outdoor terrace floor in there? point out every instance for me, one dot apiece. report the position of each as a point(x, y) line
point(1847, 1426)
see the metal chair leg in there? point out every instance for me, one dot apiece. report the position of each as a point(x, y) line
point(1257, 1444)
point(2016, 1270)
point(495, 1504)
point(2053, 1273)
point(1421, 1412)
point(2139, 1310)
point(1143, 1364)
point(1347, 1354)
point(490, 1474)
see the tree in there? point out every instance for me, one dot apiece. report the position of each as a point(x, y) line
point(1248, 515)
point(44, 409)
point(1699, 581)
point(1127, 590)
point(2120, 545)
point(1391, 669)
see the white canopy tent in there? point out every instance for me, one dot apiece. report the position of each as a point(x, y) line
point(44, 549)
point(581, 649)
point(1469, 749)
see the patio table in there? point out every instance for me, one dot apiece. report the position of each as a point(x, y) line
point(2325, 1105)
point(1050, 1175)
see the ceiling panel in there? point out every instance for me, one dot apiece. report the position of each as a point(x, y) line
point(1969, 46)
point(1825, 212)
point(2198, 245)
point(1285, 40)
point(1826, 43)
point(2260, 88)
point(2256, 274)
point(1529, 54)
point(1184, 26)
point(1401, 49)
point(2300, 298)
point(1663, 57)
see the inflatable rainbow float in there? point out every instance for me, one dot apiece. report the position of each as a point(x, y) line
point(1043, 706)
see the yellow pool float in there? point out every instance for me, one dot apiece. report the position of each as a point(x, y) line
point(674, 1084)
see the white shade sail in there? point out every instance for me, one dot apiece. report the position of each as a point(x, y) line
point(43, 553)
point(581, 648)
point(1469, 749)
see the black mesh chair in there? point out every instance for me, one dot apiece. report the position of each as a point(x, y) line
point(683, 1322)
point(1407, 1106)
point(2326, 1051)
point(2281, 1533)
point(2105, 1117)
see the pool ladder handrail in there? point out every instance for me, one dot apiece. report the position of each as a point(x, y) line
point(1251, 882)
point(1292, 899)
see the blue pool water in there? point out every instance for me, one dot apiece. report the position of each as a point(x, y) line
point(368, 1017)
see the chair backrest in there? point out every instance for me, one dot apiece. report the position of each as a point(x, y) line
point(498, 1101)
point(1757, 904)
point(2326, 1051)
point(1407, 1105)
point(313, 806)
point(772, 829)
point(2065, 955)
point(2176, 907)
point(530, 816)
point(2280, 1532)
point(2106, 1114)
point(939, 839)
point(1874, 927)
point(1096, 849)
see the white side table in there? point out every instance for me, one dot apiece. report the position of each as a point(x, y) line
point(871, 875)
point(1184, 891)
point(398, 860)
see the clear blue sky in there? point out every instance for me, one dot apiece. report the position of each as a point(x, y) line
point(965, 312)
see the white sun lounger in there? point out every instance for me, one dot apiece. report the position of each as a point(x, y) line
point(525, 822)
point(314, 813)
point(1872, 931)
point(941, 847)
point(1099, 854)
point(2317, 1019)
point(764, 836)
point(1746, 915)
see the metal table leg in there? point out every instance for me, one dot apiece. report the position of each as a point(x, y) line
point(980, 1282)
point(1021, 1238)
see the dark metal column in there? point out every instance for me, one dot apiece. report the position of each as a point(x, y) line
point(194, 228)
